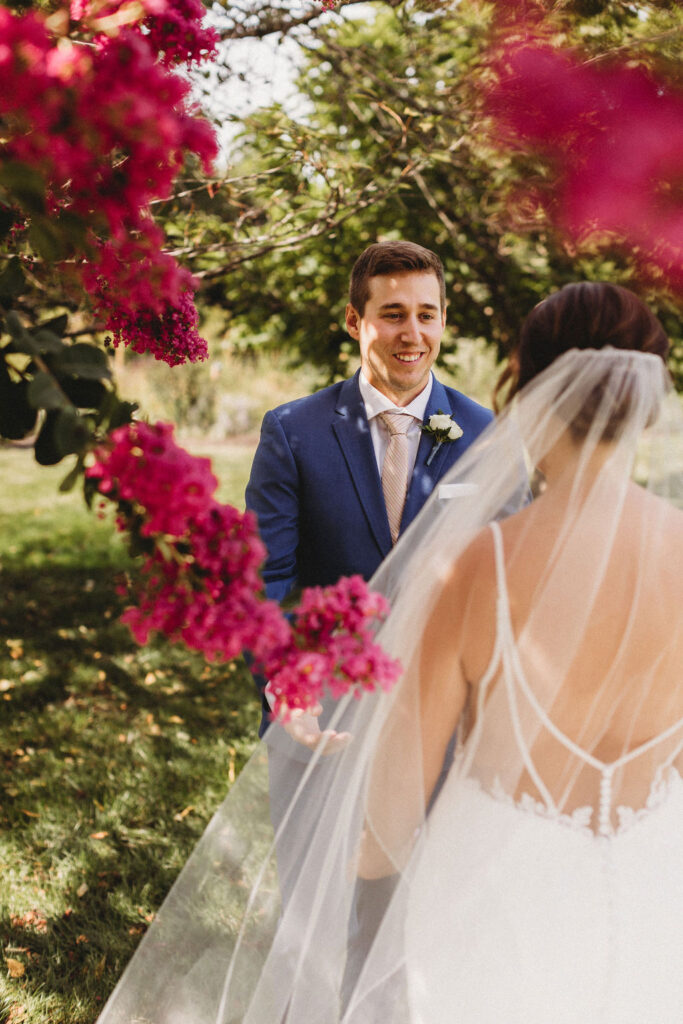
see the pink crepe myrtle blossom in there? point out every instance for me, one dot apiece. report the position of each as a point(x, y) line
point(107, 129)
point(142, 464)
point(332, 648)
point(613, 136)
point(201, 582)
point(149, 306)
point(172, 29)
point(170, 335)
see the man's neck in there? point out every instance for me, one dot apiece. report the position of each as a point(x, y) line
point(380, 402)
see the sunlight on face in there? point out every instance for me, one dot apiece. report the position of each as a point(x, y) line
point(399, 333)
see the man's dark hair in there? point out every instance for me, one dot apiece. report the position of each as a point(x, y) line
point(383, 258)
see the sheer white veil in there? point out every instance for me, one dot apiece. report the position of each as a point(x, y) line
point(549, 660)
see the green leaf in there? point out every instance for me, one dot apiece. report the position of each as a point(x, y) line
point(90, 485)
point(45, 239)
point(56, 325)
point(72, 433)
point(71, 478)
point(73, 231)
point(47, 342)
point(21, 339)
point(17, 418)
point(122, 413)
point(25, 184)
point(46, 451)
point(85, 394)
point(7, 220)
point(12, 281)
point(83, 360)
point(43, 393)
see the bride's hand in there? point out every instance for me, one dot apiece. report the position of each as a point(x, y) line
point(304, 728)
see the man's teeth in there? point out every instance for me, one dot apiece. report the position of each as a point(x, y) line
point(405, 357)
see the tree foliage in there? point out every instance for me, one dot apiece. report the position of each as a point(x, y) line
point(397, 142)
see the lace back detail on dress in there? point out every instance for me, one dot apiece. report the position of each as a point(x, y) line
point(596, 817)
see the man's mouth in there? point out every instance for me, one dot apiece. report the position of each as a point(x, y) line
point(408, 357)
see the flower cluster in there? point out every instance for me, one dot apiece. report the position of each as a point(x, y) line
point(149, 306)
point(331, 648)
point(171, 335)
point(142, 465)
point(614, 135)
point(106, 129)
point(171, 28)
point(201, 580)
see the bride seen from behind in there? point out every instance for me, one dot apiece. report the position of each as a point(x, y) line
point(534, 877)
point(543, 885)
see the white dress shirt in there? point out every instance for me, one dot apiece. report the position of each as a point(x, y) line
point(376, 403)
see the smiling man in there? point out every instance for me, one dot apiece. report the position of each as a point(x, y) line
point(339, 475)
point(337, 478)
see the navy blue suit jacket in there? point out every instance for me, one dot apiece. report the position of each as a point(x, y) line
point(316, 489)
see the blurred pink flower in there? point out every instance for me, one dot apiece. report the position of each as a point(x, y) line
point(171, 28)
point(613, 136)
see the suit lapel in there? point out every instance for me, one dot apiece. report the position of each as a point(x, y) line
point(425, 476)
point(352, 430)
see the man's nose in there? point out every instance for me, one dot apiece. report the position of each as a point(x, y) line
point(411, 329)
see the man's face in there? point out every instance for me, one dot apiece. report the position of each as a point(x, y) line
point(399, 332)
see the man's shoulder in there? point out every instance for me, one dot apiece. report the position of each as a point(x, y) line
point(317, 404)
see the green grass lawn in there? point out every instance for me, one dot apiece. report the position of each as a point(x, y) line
point(113, 756)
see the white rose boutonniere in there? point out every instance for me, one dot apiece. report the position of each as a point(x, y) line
point(443, 428)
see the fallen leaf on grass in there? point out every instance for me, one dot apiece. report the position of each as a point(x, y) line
point(99, 835)
point(15, 967)
point(32, 919)
point(82, 889)
point(184, 813)
point(29, 814)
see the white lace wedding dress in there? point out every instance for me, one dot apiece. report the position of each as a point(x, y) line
point(520, 913)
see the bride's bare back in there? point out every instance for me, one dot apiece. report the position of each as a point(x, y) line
point(616, 684)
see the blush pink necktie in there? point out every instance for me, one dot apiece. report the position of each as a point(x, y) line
point(396, 467)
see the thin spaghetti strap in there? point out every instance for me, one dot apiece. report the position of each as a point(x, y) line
point(500, 561)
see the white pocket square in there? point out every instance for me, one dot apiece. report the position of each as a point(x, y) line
point(455, 490)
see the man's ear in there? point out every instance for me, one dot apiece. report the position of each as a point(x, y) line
point(353, 319)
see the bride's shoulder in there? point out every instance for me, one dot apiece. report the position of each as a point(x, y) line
point(662, 513)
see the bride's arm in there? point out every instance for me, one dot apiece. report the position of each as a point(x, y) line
point(455, 648)
point(411, 751)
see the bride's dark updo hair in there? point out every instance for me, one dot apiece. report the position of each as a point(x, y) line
point(585, 315)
